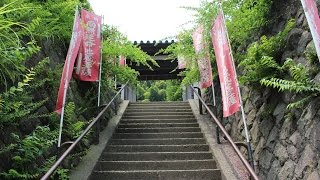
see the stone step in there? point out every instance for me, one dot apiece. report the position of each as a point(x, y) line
point(158, 103)
point(153, 107)
point(173, 116)
point(157, 148)
point(168, 141)
point(204, 174)
point(154, 156)
point(158, 130)
point(156, 135)
point(155, 165)
point(133, 110)
point(157, 125)
point(129, 121)
point(155, 113)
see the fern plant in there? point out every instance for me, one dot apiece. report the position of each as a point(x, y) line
point(260, 60)
point(299, 83)
point(25, 152)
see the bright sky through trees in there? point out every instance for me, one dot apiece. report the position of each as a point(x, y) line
point(146, 19)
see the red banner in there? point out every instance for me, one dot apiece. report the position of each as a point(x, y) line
point(182, 64)
point(89, 57)
point(227, 74)
point(312, 15)
point(204, 60)
point(122, 61)
point(75, 41)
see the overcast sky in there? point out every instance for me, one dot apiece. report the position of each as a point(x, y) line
point(145, 19)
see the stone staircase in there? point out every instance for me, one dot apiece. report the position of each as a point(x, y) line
point(159, 140)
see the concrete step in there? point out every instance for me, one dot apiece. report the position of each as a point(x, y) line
point(155, 165)
point(130, 110)
point(156, 113)
point(167, 141)
point(156, 135)
point(152, 107)
point(129, 121)
point(174, 116)
point(204, 174)
point(154, 156)
point(158, 103)
point(157, 125)
point(157, 148)
point(158, 130)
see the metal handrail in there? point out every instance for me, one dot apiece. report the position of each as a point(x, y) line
point(73, 145)
point(234, 146)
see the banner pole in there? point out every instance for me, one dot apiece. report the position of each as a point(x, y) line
point(240, 97)
point(65, 90)
point(100, 64)
point(213, 95)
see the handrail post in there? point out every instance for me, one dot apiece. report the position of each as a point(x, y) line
point(116, 103)
point(217, 127)
point(200, 103)
point(97, 132)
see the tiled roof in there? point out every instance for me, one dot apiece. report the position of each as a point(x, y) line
point(154, 42)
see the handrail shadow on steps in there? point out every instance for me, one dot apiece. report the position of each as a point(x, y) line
point(73, 145)
point(223, 130)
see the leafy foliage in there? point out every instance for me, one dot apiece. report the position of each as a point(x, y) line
point(244, 19)
point(169, 90)
point(16, 103)
point(260, 60)
point(27, 151)
point(26, 83)
point(300, 83)
point(116, 44)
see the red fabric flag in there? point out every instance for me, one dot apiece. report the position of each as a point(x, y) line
point(122, 61)
point(75, 41)
point(89, 57)
point(203, 62)
point(312, 15)
point(227, 74)
point(181, 62)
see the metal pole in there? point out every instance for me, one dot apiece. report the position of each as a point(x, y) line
point(100, 64)
point(214, 106)
point(240, 98)
point(200, 103)
point(213, 95)
point(65, 88)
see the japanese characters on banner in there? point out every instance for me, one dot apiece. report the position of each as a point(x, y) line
point(182, 64)
point(75, 41)
point(89, 57)
point(312, 15)
point(227, 74)
point(122, 61)
point(203, 62)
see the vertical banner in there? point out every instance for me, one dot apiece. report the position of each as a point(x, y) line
point(122, 61)
point(227, 74)
point(312, 15)
point(89, 57)
point(204, 60)
point(182, 64)
point(74, 46)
